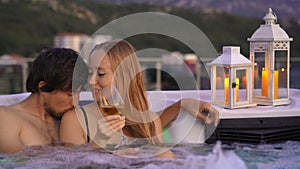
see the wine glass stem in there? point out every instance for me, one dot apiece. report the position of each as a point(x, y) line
point(123, 142)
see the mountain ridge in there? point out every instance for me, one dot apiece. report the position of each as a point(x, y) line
point(29, 25)
point(255, 8)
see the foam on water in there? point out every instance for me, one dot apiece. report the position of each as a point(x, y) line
point(276, 156)
point(283, 155)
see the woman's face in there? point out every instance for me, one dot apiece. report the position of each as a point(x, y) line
point(101, 74)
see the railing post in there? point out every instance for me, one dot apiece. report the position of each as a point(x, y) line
point(198, 74)
point(158, 75)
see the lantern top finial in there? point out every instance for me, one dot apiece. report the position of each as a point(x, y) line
point(270, 31)
point(270, 18)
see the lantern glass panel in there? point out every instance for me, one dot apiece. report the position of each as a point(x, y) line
point(259, 71)
point(241, 85)
point(281, 74)
point(221, 75)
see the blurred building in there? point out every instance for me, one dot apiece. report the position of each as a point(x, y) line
point(191, 61)
point(71, 40)
point(79, 41)
point(179, 71)
point(94, 40)
point(13, 73)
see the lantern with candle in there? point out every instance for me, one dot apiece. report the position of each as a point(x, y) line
point(231, 79)
point(270, 51)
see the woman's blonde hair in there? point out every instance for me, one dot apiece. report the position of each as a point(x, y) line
point(129, 80)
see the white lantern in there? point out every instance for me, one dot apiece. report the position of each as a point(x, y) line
point(231, 79)
point(270, 51)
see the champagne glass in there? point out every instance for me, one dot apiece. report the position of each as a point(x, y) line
point(110, 101)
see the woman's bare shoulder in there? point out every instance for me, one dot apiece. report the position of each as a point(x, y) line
point(93, 106)
point(72, 114)
point(92, 110)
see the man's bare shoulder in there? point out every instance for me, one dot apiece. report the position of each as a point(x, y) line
point(10, 120)
point(11, 124)
point(8, 113)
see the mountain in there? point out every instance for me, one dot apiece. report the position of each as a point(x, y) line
point(29, 25)
point(255, 8)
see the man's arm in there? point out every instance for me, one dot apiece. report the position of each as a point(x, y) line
point(10, 131)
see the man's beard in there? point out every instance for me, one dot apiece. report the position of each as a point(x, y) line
point(55, 115)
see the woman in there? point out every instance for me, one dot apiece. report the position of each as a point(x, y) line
point(115, 63)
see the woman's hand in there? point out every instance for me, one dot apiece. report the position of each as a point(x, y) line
point(109, 125)
point(201, 110)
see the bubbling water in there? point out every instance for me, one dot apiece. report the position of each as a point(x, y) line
point(190, 156)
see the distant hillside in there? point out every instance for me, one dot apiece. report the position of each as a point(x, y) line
point(29, 25)
point(257, 8)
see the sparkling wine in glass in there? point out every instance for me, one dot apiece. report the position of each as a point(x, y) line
point(110, 102)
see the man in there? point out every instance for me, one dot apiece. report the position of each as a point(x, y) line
point(36, 120)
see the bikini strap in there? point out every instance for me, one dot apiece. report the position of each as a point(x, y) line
point(87, 124)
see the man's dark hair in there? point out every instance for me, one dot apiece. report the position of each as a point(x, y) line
point(55, 66)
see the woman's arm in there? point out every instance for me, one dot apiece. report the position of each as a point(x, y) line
point(199, 109)
point(158, 129)
point(169, 114)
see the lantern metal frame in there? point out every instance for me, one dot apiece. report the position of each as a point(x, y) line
point(231, 61)
point(268, 41)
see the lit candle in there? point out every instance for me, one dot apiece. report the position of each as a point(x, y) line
point(282, 78)
point(276, 84)
point(218, 84)
point(244, 81)
point(226, 89)
point(256, 82)
point(237, 81)
point(264, 82)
